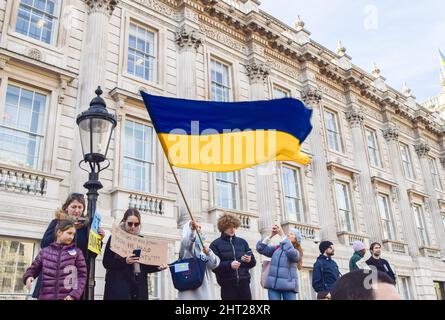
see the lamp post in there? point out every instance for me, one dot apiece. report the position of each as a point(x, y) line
point(95, 126)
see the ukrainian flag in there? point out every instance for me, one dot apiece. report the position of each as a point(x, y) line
point(229, 136)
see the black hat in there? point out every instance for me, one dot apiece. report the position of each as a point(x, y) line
point(324, 245)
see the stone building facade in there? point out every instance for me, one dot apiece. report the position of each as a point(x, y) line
point(378, 156)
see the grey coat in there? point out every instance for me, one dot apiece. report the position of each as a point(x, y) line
point(205, 291)
point(283, 266)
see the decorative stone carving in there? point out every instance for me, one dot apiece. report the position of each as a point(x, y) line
point(187, 38)
point(3, 62)
point(442, 162)
point(105, 6)
point(312, 96)
point(284, 68)
point(394, 193)
point(391, 134)
point(422, 149)
point(223, 39)
point(355, 118)
point(35, 54)
point(257, 71)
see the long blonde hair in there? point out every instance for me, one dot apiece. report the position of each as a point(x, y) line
point(298, 247)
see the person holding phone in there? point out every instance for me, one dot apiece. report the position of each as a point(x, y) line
point(233, 273)
point(286, 257)
point(126, 278)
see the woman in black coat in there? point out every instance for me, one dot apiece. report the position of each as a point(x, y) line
point(125, 278)
point(74, 210)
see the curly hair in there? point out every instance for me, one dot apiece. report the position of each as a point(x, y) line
point(228, 220)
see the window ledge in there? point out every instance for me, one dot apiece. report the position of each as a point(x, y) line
point(395, 246)
point(249, 221)
point(348, 238)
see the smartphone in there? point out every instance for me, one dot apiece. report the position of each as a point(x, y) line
point(248, 253)
point(81, 220)
point(137, 253)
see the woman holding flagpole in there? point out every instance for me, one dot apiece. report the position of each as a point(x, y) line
point(191, 246)
point(126, 278)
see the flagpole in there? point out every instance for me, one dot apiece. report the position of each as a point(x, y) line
point(185, 200)
point(176, 179)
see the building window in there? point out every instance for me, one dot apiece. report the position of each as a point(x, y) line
point(435, 173)
point(139, 164)
point(293, 203)
point(373, 148)
point(22, 128)
point(279, 93)
point(344, 206)
point(333, 131)
point(385, 216)
point(15, 257)
point(37, 19)
point(227, 190)
point(439, 287)
point(404, 285)
point(406, 161)
point(420, 225)
point(142, 60)
point(221, 83)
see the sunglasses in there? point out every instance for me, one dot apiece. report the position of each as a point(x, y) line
point(131, 224)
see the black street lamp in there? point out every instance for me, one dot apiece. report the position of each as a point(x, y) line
point(96, 126)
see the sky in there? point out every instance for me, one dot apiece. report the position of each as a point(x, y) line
point(400, 36)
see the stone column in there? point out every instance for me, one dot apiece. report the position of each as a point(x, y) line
point(323, 190)
point(391, 135)
point(423, 150)
point(372, 217)
point(258, 74)
point(188, 40)
point(92, 71)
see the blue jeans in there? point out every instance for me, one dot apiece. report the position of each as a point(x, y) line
point(281, 295)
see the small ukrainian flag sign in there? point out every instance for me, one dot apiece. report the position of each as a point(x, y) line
point(181, 267)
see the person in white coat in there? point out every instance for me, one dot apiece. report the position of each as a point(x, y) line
point(192, 247)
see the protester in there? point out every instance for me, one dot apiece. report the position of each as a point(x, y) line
point(325, 271)
point(359, 252)
point(237, 259)
point(365, 285)
point(376, 261)
point(282, 278)
point(126, 278)
point(61, 265)
point(73, 209)
point(192, 247)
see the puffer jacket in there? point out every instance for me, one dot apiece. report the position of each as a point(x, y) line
point(229, 249)
point(283, 266)
point(63, 271)
point(81, 239)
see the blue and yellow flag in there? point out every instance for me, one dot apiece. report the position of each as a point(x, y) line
point(229, 136)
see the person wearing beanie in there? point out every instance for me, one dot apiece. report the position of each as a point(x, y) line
point(280, 276)
point(359, 253)
point(325, 271)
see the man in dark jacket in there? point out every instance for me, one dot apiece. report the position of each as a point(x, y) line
point(237, 259)
point(379, 263)
point(325, 272)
